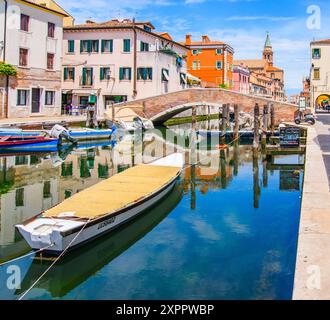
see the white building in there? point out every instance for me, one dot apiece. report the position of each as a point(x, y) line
point(120, 61)
point(320, 72)
point(31, 38)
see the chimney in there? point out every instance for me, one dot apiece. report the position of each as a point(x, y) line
point(205, 39)
point(188, 40)
point(90, 22)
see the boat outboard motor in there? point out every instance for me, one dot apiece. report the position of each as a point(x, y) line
point(139, 123)
point(61, 133)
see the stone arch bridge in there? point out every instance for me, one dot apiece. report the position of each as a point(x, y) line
point(164, 107)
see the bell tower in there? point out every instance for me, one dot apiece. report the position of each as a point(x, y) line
point(268, 53)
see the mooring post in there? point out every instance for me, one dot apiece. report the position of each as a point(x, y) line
point(256, 186)
point(194, 117)
point(224, 124)
point(236, 157)
point(272, 118)
point(265, 127)
point(113, 112)
point(236, 127)
point(256, 127)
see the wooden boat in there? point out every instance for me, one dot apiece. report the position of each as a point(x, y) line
point(29, 143)
point(69, 272)
point(103, 207)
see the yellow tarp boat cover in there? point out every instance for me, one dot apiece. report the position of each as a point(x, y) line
point(115, 193)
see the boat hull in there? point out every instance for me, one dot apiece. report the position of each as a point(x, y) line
point(32, 146)
point(97, 228)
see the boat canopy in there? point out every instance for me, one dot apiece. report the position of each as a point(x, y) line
point(115, 193)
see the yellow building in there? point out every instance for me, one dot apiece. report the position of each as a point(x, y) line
point(51, 4)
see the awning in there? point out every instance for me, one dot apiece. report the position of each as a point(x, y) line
point(184, 79)
point(193, 78)
point(166, 75)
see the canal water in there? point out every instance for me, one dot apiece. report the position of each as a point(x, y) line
point(227, 231)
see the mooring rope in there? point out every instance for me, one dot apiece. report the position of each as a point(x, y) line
point(25, 256)
point(55, 261)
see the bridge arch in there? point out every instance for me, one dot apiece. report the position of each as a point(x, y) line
point(172, 111)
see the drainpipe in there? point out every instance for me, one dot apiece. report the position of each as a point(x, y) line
point(4, 57)
point(134, 60)
point(5, 31)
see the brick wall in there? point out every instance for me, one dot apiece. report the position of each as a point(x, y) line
point(159, 104)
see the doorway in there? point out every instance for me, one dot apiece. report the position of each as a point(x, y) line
point(36, 93)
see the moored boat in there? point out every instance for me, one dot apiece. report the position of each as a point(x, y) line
point(30, 143)
point(103, 207)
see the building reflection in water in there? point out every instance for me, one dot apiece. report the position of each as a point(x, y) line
point(31, 184)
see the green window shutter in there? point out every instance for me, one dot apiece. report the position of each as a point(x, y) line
point(138, 73)
point(150, 73)
point(70, 46)
point(92, 76)
point(81, 46)
point(111, 45)
point(65, 74)
point(101, 73)
point(127, 45)
point(89, 46)
point(141, 46)
point(102, 45)
point(130, 74)
point(144, 74)
point(84, 76)
point(97, 46)
point(73, 73)
point(121, 73)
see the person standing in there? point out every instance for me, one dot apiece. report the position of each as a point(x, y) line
point(91, 116)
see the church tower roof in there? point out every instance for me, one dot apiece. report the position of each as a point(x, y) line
point(268, 44)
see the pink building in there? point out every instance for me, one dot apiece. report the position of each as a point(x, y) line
point(241, 77)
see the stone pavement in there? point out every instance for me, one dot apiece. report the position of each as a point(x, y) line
point(312, 278)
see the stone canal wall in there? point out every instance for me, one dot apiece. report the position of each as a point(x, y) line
point(161, 108)
point(312, 278)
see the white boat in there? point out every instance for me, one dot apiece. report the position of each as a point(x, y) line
point(103, 207)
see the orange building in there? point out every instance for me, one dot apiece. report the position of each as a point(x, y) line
point(210, 61)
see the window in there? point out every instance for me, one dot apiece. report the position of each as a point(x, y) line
point(83, 101)
point(147, 28)
point(105, 73)
point(165, 75)
point(22, 97)
point(317, 73)
point(127, 45)
point(196, 65)
point(47, 189)
point(85, 46)
point(49, 98)
point(194, 52)
point(218, 51)
point(25, 22)
point(19, 198)
point(69, 74)
point(218, 65)
point(316, 52)
point(144, 74)
point(51, 30)
point(70, 46)
point(50, 61)
point(107, 46)
point(125, 73)
point(183, 78)
point(89, 46)
point(23, 57)
point(87, 77)
point(95, 46)
point(144, 46)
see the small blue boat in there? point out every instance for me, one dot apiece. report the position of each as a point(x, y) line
point(28, 143)
point(76, 134)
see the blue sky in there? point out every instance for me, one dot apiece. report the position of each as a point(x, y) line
point(241, 23)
